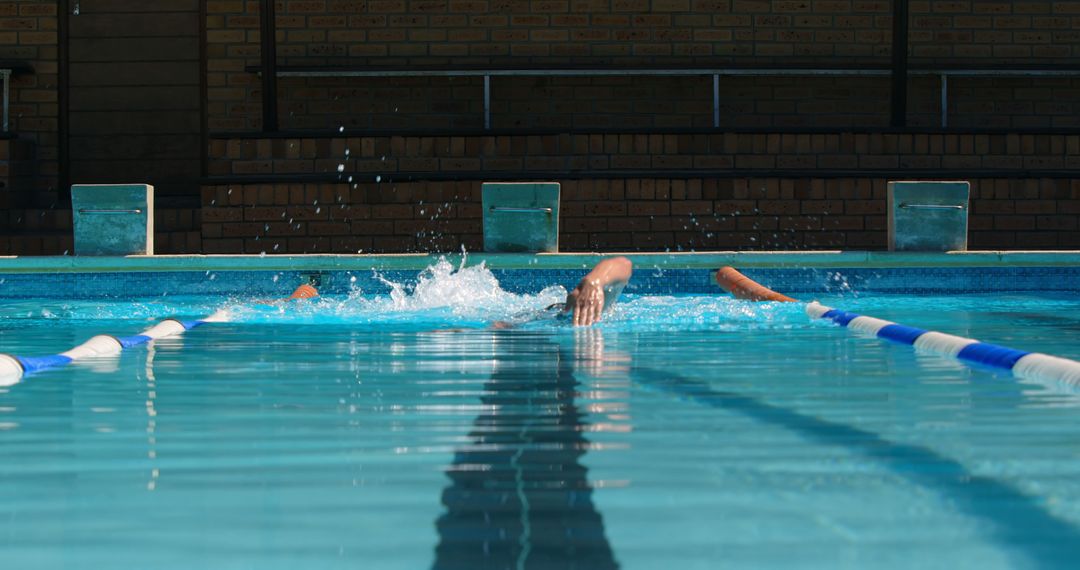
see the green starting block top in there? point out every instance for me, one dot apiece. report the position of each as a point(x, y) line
point(113, 219)
point(521, 217)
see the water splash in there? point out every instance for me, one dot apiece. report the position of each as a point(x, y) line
point(441, 295)
point(464, 289)
point(445, 295)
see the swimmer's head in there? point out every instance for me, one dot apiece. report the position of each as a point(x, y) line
point(559, 310)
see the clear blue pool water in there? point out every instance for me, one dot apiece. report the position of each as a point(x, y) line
point(395, 431)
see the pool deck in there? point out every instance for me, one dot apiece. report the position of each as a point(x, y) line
point(683, 260)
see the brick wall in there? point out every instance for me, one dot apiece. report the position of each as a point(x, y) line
point(994, 31)
point(232, 42)
point(28, 34)
point(48, 231)
point(591, 32)
point(634, 214)
point(134, 95)
point(387, 156)
point(16, 174)
point(652, 192)
point(421, 32)
point(30, 221)
point(34, 219)
point(177, 230)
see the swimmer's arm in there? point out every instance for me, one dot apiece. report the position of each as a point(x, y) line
point(598, 290)
point(301, 292)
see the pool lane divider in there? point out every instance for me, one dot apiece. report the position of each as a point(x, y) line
point(1033, 365)
point(13, 368)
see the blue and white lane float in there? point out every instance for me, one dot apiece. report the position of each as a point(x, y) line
point(1029, 365)
point(13, 368)
point(1032, 365)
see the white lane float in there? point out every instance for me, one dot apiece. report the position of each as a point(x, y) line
point(13, 368)
point(1028, 365)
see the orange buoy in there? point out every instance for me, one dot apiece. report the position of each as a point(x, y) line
point(743, 287)
point(304, 292)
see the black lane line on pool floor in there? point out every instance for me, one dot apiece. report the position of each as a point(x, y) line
point(519, 495)
point(1017, 519)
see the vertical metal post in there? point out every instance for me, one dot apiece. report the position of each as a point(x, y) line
point(944, 100)
point(268, 36)
point(716, 101)
point(5, 75)
point(487, 102)
point(899, 63)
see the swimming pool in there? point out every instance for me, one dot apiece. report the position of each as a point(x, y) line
point(688, 430)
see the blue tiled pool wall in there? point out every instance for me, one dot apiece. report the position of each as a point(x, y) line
point(792, 281)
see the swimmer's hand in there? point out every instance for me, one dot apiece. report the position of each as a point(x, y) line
point(587, 302)
point(598, 290)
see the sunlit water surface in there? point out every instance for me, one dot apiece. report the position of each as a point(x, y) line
point(397, 431)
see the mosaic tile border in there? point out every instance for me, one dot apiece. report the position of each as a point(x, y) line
point(649, 281)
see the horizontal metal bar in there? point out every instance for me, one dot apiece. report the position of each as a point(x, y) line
point(932, 206)
point(630, 174)
point(571, 72)
point(86, 211)
point(332, 133)
point(577, 72)
point(521, 210)
point(1003, 72)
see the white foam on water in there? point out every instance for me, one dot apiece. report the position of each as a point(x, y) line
point(702, 312)
point(441, 293)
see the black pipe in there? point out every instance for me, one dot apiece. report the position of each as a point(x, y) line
point(899, 63)
point(63, 190)
point(267, 35)
point(620, 174)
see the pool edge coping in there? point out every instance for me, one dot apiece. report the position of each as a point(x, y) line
point(419, 261)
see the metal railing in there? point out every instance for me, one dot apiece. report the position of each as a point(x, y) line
point(898, 71)
point(7, 70)
point(487, 74)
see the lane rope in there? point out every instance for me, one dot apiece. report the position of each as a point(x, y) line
point(1023, 364)
point(13, 368)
